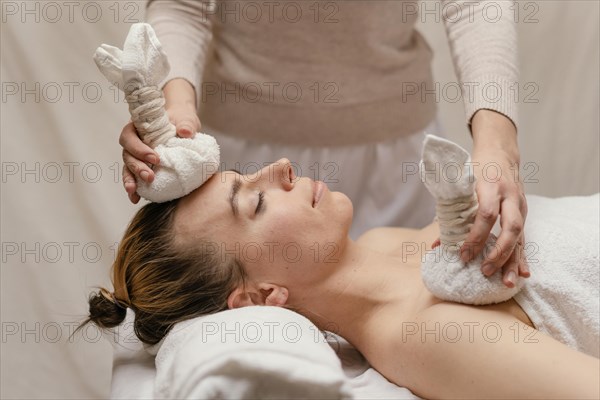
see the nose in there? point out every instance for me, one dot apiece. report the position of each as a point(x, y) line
point(281, 173)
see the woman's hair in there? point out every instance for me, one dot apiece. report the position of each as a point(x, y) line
point(163, 282)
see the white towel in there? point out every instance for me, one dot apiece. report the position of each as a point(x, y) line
point(185, 164)
point(447, 172)
point(257, 352)
point(134, 372)
point(562, 295)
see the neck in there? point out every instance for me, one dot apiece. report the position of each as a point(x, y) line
point(364, 283)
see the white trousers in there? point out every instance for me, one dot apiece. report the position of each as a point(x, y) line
point(380, 178)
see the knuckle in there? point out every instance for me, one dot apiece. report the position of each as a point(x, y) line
point(515, 226)
point(488, 213)
point(133, 167)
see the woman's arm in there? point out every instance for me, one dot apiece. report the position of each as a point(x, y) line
point(483, 43)
point(184, 30)
point(494, 356)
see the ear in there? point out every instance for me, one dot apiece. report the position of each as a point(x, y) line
point(266, 294)
point(274, 295)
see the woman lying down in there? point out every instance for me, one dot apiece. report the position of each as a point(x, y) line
point(176, 262)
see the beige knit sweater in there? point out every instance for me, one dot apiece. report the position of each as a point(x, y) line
point(333, 72)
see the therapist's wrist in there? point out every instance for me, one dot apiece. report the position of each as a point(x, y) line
point(493, 129)
point(179, 92)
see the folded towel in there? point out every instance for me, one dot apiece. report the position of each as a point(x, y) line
point(562, 296)
point(185, 164)
point(447, 172)
point(260, 352)
point(134, 371)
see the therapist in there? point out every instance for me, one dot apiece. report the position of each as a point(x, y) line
point(344, 89)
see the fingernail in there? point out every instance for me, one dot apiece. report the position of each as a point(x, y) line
point(487, 269)
point(152, 159)
point(511, 277)
point(144, 175)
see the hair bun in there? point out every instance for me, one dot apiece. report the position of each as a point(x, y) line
point(105, 311)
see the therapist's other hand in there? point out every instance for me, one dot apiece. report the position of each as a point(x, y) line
point(180, 105)
point(185, 119)
point(500, 193)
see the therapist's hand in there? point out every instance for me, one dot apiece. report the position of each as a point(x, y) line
point(138, 157)
point(500, 193)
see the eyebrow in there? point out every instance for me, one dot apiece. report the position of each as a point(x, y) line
point(233, 195)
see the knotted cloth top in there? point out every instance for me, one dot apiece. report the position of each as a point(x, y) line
point(137, 70)
point(446, 170)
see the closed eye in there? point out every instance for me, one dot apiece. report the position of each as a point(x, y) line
point(261, 206)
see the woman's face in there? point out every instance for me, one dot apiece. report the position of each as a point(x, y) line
point(270, 222)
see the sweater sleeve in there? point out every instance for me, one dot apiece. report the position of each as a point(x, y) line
point(184, 29)
point(483, 43)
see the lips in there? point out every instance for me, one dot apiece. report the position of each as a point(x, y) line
point(318, 189)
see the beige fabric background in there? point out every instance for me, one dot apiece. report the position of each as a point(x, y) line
point(63, 207)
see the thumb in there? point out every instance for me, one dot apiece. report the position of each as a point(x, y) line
point(185, 129)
